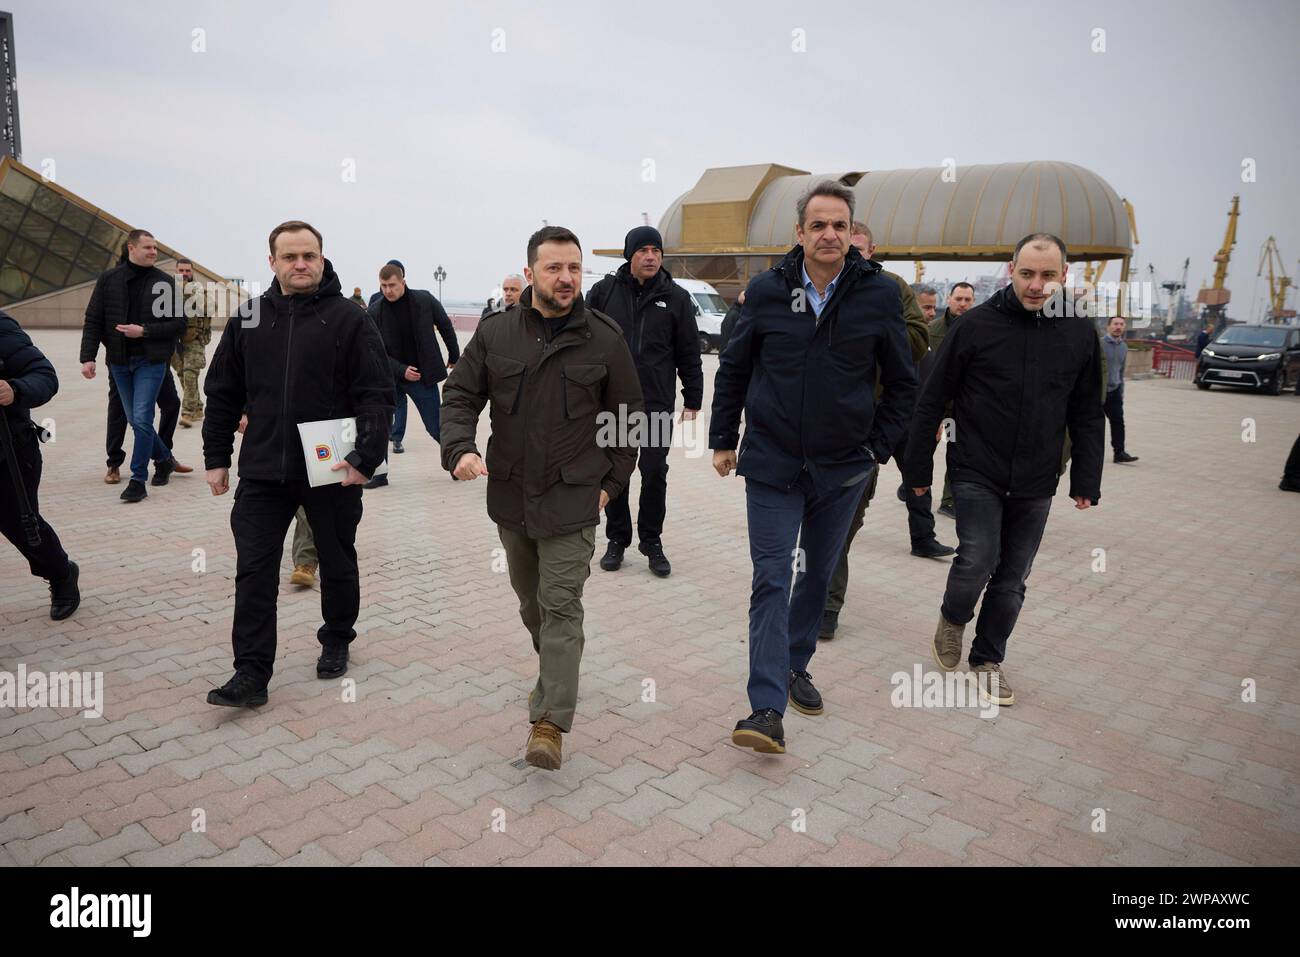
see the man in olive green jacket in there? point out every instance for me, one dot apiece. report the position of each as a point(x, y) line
point(565, 405)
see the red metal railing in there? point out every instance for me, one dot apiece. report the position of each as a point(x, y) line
point(1174, 362)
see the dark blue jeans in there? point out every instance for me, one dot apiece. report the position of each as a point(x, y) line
point(789, 529)
point(427, 403)
point(138, 382)
point(997, 539)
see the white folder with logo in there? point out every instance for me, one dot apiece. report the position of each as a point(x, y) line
point(327, 443)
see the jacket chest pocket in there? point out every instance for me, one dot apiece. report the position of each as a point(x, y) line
point(506, 378)
point(581, 384)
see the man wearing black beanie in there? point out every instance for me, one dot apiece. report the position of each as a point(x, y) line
point(658, 321)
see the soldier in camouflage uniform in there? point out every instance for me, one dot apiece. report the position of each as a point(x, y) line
point(192, 355)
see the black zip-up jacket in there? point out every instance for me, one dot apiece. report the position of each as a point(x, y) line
point(30, 374)
point(807, 383)
point(425, 313)
point(107, 310)
point(300, 358)
point(658, 322)
point(1017, 381)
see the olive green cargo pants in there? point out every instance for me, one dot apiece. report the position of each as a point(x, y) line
point(548, 574)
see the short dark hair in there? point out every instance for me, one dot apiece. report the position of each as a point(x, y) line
point(827, 187)
point(959, 285)
point(388, 271)
point(1039, 239)
point(184, 262)
point(293, 226)
point(550, 234)
point(134, 236)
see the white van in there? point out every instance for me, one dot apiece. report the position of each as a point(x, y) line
point(710, 307)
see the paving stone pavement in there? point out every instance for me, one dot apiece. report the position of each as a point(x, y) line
point(1131, 681)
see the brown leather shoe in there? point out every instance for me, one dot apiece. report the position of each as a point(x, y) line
point(181, 469)
point(544, 746)
point(304, 574)
point(186, 422)
point(112, 476)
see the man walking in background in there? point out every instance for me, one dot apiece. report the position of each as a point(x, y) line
point(139, 334)
point(192, 357)
point(657, 317)
point(1116, 350)
point(406, 319)
point(960, 299)
point(551, 370)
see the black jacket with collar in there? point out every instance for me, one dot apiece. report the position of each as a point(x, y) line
point(806, 383)
point(658, 322)
point(424, 314)
point(1018, 381)
point(108, 309)
point(293, 359)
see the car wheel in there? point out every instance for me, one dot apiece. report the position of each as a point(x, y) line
point(1278, 385)
point(1202, 384)
point(705, 348)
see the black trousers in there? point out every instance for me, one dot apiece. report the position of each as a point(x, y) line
point(920, 515)
point(1291, 471)
point(1114, 408)
point(259, 519)
point(169, 403)
point(47, 560)
point(652, 462)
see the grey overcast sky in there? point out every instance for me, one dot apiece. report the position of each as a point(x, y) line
point(460, 152)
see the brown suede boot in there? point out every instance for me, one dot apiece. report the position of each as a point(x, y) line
point(112, 476)
point(544, 745)
point(304, 574)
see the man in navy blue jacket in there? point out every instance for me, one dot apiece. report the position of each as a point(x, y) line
point(802, 365)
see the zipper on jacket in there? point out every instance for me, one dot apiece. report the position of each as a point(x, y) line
point(564, 392)
point(284, 402)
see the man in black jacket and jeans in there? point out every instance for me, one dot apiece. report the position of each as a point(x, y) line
point(27, 379)
point(802, 364)
point(132, 312)
point(406, 319)
point(1019, 377)
point(298, 353)
point(658, 321)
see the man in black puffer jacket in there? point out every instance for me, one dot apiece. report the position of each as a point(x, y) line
point(133, 313)
point(657, 317)
point(1019, 377)
point(303, 353)
point(27, 380)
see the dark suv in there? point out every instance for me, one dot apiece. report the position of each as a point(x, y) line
point(1263, 357)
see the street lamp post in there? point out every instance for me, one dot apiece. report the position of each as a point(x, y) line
point(440, 274)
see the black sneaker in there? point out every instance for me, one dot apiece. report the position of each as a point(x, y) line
point(658, 561)
point(241, 691)
point(64, 595)
point(134, 491)
point(397, 448)
point(379, 481)
point(333, 662)
point(949, 511)
point(803, 695)
point(932, 549)
point(162, 471)
point(761, 731)
point(1122, 457)
point(829, 624)
point(612, 560)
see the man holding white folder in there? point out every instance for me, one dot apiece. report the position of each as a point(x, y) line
point(302, 356)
